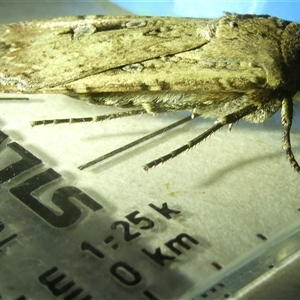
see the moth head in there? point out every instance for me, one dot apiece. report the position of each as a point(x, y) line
point(290, 47)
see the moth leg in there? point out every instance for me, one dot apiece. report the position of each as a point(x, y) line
point(286, 121)
point(90, 119)
point(136, 142)
point(228, 119)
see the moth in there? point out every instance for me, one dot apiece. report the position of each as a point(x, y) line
point(231, 68)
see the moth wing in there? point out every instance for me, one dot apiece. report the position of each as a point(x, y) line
point(186, 72)
point(229, 59)
point(49, 53)
point(240, 63)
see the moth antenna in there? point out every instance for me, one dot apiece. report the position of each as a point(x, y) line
point(90, 119)
point(228, 119)
point(137, 142)
point(286, 121)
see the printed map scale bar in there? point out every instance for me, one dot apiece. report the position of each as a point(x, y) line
point(116, 230)
point(219, 222)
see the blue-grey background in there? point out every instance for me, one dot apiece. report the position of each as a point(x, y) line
point(16, 10)
point(198, 8)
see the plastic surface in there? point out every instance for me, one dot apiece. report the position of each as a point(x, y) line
point(115, 231)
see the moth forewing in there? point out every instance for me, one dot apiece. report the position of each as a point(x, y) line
point(50, 53)
point(237, 66)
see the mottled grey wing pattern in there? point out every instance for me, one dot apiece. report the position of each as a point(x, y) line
point(49, 53)
point(212, 59)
